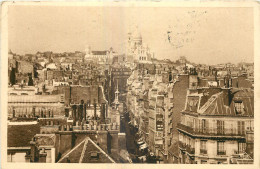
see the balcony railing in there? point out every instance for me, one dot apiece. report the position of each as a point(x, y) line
point(182, 145)
point(186, 147)
point(190, 150)
point(210, 131)
point(203, 151)
point(221, 153)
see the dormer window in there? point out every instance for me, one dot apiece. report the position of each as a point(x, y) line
point(239, 107)
point(94, 155)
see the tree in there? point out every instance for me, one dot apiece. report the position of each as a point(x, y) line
point(35, 71)
point(12, 77)
point(30, 82)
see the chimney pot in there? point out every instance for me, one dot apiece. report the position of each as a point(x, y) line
point(227, 96)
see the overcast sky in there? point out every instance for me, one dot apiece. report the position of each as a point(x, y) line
point(203, 35)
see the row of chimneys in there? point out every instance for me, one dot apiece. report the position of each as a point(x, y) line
point(90, 127)
point(44, 114)
point(79, 112)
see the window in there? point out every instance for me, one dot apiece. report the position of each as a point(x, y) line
point(250, 137)
point(251, 126)
point(241, 147)
point(239, 107)
point(94, 155)
point(203, 162)
point(220, 127)
point(241, 127)
point(203, 147)
point(204, 125)
point(221, 148)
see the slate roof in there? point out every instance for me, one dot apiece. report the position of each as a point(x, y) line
point(85, 152)
point(215, 105)
point(21, 135)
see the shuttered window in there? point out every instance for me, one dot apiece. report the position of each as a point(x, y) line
point(241, 127)
point(220, 127)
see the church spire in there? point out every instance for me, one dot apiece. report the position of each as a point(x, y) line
point(116, 95)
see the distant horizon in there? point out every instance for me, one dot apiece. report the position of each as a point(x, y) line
point(202, 35)
point(124, 53)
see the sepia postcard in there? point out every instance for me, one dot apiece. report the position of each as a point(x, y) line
point(130, 84)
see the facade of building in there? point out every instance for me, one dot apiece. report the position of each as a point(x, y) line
point(102, 57)
point(154, 102)
point(215, 126)
point(35, 105)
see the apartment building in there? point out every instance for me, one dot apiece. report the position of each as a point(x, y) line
point(217, 126)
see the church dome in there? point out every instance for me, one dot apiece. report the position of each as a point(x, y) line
point(137, 35)
point(88, 49)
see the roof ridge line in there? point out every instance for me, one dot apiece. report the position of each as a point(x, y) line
point(71, 150)
point(84, 149)
point(205, 107)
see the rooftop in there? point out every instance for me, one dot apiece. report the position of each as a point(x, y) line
point(33, 98)
point(21, 135)
point(86, 151)
point(215, 105)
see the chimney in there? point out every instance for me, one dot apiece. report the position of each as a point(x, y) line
point(74, 114)
point(41, 113)
point(78, 113)
point(216, 77)
point(227, 96)
point(13, 113)
point(70, 95)
point(33, 150)
point(95, 110)
point(33, 111)
point(102, 115)
point(84, 110)
point(81, 110)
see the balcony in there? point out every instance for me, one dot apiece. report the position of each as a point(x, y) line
point(203, 151)
point(171, 105)
point(190, 150)
point(210, 131)
point(170, 114)
point(221, 152)
point(182, 145)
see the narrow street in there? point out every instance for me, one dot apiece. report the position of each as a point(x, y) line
point(130, 136)
point(131, 145)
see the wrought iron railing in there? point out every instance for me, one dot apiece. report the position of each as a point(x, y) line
point(221, 152)
point(203, 151)
point(210, 131)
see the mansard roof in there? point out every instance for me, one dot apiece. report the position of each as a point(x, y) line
point(215, 105)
